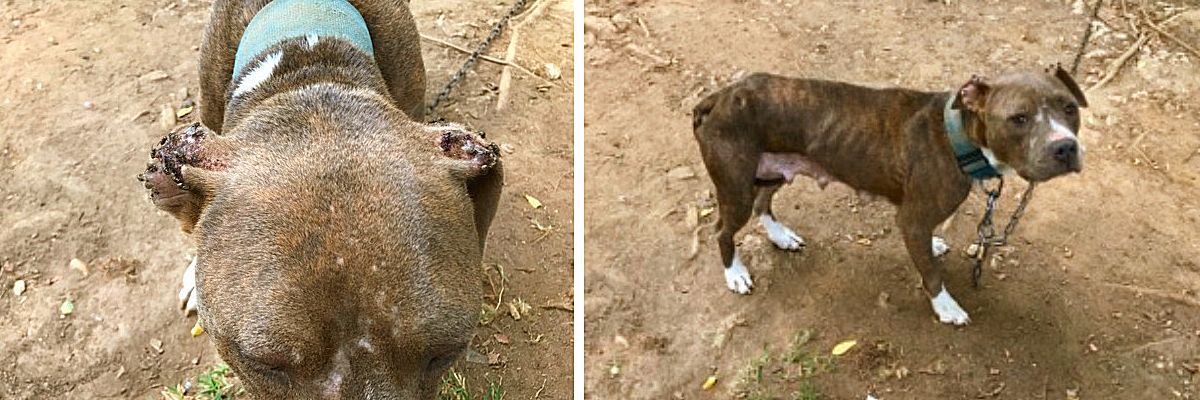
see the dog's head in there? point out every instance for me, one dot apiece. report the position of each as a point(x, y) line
point(337, 257)
point(1027, 121)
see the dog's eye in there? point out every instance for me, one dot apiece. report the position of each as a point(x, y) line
point(1019, 119)
point(1071, 109)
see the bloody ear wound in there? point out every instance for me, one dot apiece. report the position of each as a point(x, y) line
point(972, 95)
point(479, 155)
point(177, 175)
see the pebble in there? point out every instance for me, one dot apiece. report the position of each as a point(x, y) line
point(79, 265)
point(156, 345)
point(166, 117)
point(19, 287)
point(553, 72)
point(87, 105)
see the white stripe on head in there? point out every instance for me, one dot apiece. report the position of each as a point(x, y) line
point(259, 74)
point(312, 41)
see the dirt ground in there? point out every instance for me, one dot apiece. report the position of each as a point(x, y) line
point(1095, 298)
point(82, 85)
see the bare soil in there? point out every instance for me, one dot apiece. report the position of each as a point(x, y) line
point(80, 106)
point(1094, 298)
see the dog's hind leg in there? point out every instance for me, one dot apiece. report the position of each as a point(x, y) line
point(734, 181)
point(780, 234)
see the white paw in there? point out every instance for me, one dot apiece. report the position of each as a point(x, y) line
point(948, 310)
point(737, 277)
point(187, 295)
point(939, 246)
point(779, 234)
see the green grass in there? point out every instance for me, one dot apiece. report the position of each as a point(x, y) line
point(454, 387)
point(788, 370)
point(214, 384)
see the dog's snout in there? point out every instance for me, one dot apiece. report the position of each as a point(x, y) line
point(1065, 151)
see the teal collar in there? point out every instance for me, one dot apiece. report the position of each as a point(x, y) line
point(970, 158)
point(281, 20)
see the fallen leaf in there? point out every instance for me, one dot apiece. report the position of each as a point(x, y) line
point(843, 347)
point(704, 212)
point(709, 383)
point(67, 307)
point(197, 330)
point(501, 338)
point(182, 112)
point(533, 202)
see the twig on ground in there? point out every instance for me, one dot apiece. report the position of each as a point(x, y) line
point(1181, 43)
point(1116, 65)
point(1154, 343)
point(484, 58)
point(1158, 292)
point(511, 54)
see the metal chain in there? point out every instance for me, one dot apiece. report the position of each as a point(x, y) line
point(986, 228)
point(467, 65)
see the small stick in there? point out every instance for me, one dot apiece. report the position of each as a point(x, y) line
point(1116, 65)
point(1172, 37)
point(643, 25)
point(483, 57)
point(511, 54)
point(1158, 292)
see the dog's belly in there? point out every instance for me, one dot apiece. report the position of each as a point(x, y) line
point(785, 166)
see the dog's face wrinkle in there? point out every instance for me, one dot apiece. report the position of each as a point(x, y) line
point(313, 235)
point(1018, 122)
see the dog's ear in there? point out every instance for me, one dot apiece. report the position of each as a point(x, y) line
point(476, 161)
point(973, 95)
point(1066, 79)
point(184, 172)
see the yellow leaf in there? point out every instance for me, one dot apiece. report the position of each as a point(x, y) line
point(197, 330)
point(533, 202)
point(709, 383)
point(843, 347)
point(180, 113)
point(706, 211)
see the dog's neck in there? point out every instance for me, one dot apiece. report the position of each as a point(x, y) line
point(280, 20)
point(974, 159)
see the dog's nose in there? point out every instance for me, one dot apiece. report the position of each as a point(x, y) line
point(1065, 151)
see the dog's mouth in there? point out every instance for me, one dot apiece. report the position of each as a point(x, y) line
point(1049, 168)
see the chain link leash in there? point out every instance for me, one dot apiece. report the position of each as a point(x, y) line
point(474, 57)
point(987, 228)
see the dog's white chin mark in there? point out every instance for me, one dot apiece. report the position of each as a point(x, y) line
point(187, 295)
point(779, 234)
point(737, 277)
point(939, 246)
point(948, 310)
point(259, 74)
point(1003, 168)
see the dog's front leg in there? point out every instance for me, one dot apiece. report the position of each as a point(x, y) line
point(917, 224)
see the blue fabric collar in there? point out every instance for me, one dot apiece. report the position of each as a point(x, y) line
point(280, 20)
point(970, 158)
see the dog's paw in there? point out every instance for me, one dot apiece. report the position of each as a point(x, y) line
point(737, 277)
point(187, 295)
point(939, 246)
point(948, 310)
point(780, 234)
